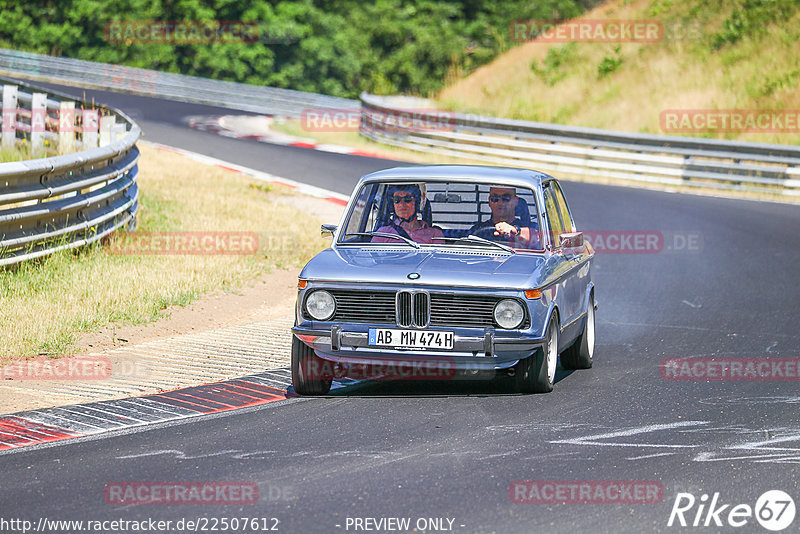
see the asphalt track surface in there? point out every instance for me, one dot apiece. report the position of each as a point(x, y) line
point(452, 449)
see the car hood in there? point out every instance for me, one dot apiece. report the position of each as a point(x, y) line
point(460, 267)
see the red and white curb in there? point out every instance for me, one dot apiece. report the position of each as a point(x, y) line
point(217, 125)
point(306, 189)
point(34, 427)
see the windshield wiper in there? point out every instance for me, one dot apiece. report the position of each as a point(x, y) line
point(385, 234)
point(476, 239)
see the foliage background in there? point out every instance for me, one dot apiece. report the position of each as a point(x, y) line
point(335, 47)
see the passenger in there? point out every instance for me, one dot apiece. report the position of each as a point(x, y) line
point(406, 221)
point(507, 226)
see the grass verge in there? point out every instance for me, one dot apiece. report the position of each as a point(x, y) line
point(22, 151)
point(44, 304)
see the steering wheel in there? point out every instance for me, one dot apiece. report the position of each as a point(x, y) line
point(487, 232)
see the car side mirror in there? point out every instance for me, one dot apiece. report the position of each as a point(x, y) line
point(571, 240)
point(328, 230)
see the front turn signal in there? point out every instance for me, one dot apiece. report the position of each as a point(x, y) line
point(533, 293)
point(301, 284)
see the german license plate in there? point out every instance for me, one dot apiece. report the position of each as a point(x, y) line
point(410, 339)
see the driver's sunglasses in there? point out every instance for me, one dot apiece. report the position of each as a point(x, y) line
point(496, 198)
point(408, 199)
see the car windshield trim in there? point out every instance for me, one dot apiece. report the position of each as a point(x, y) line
point(477, 240)
point(383, 234)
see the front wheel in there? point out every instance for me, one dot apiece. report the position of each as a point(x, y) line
point(309, 371)
point(579, 355)
point(537, 373)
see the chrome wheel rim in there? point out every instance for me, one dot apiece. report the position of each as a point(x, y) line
point(552, 354)
point(590, 330)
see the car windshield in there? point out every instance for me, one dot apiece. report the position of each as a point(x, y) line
point(443, 214)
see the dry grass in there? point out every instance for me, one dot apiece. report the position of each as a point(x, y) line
point(754, 73)
point(22, 151)
point(43, 304)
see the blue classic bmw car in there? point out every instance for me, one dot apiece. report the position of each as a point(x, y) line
point(467, 268)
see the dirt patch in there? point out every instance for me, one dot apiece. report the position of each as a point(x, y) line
point(270, 296)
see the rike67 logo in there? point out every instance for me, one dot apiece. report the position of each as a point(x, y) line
point(774, 510)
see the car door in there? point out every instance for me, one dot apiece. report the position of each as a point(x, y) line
point(572, 261)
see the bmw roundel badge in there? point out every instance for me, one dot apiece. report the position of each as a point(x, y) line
point(413, 276)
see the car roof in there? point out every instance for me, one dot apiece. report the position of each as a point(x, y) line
point(462, 173)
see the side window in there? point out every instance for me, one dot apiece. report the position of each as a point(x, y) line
point(364, 212)
point(563, 209)
point(553, 217)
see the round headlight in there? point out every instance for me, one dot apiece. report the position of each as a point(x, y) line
point(509, 313)
point(320, 305)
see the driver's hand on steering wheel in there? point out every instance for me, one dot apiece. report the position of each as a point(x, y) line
point(506, 229)
point(522, 234)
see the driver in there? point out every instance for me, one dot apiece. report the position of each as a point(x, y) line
point(406, 201)
point(507, 226)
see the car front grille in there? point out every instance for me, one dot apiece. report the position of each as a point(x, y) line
point(413, 308)
point(472, 311)
point(421, 304)
point(410, 309)
point(405, 309)
point(364, 306)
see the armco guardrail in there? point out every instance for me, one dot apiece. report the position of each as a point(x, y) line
point(667, 160)
point(246, 97)
point(73, 199)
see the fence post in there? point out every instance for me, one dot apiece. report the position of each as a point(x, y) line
point(66, 128)
point(90, 125)
point(9, 116)
point(118, 131)
point(38, 120)
point(106, 126)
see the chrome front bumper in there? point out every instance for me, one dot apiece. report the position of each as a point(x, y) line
point(489, 351)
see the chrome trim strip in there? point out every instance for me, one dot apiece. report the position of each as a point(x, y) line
point(572, 322)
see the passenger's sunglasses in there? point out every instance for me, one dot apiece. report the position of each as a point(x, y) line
point(408, 199)
point(497, 198)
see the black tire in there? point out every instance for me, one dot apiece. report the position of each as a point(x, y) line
point(579, 355)
point(536, 373)
point(304, 360)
